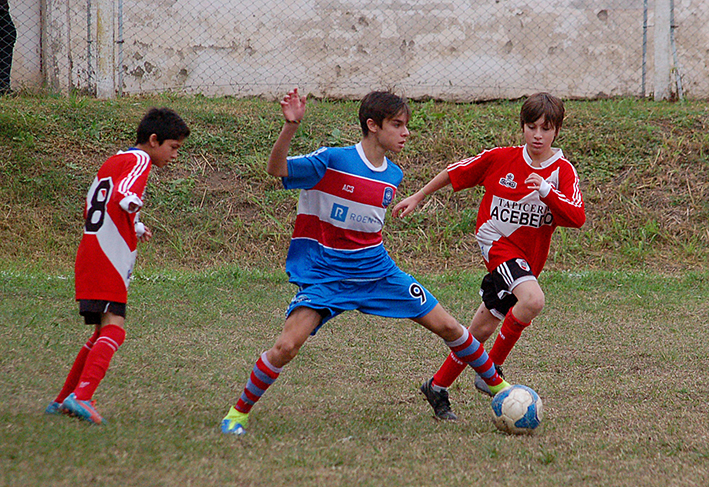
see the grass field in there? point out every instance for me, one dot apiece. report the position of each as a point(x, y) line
point(619, 359)
point(619, 354)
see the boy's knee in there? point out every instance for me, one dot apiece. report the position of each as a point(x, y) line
point(533, 304)
point(451, 329)
point(283, 352)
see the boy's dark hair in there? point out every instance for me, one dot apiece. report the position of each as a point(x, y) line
point(542, 105)
point(379, 106)
point(164, 123)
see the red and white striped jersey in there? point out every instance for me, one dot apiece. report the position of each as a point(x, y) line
point(106, 255)
point(515, 221)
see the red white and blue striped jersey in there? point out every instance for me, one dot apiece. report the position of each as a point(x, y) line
point(338, 228)
point(106, 255)
point(514, 221)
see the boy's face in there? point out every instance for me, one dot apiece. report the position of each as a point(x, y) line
point(539, 136)
point(393, 133)
point(162, 154)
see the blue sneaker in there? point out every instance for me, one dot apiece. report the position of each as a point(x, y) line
point(85, 410)
point(54, 407)
point(233, 423)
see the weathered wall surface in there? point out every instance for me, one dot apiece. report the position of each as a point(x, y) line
point(450, 49)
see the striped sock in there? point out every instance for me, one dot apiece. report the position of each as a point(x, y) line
point(262, 376)
point(72, 379)
point(467, 349)
point(98, 360)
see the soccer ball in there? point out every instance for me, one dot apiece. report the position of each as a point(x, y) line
point(517, 410)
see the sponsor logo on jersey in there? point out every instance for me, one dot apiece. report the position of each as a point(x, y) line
point(388, 196)
point(349, 188)
point(509, 181)
point(339, 212)
point(343, 213)
point(520, 213)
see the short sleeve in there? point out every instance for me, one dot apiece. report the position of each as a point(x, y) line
point(304, 172)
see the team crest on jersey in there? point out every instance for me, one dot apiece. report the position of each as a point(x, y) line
point(388, 196)
point(523, 265)
point(509, 181)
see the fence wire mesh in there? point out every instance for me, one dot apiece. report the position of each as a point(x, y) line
point(458, 50)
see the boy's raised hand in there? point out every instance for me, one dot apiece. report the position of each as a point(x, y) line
point(293, 106)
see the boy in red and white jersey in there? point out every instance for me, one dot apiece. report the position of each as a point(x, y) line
point(529, 191)
point(106, 255)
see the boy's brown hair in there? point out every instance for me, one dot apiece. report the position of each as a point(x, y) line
point(379, 106)
point(542, 105)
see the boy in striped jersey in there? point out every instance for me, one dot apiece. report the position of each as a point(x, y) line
point(529, 191)
point(106, 255)
point(336, 256)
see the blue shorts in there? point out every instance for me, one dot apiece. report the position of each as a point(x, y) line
point(396, 296)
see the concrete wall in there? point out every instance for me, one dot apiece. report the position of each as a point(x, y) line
point(451, 49)
point(26, 62)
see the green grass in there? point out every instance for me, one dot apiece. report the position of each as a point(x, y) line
point(618, 358)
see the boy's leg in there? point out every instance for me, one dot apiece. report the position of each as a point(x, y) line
point(530, 302)
point(111, 337)
point(482, 327)
point(463, 345)
point(72, 379)
point(298, 327)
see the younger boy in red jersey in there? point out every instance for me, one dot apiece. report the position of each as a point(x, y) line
point(529, 191)
point(107, 252)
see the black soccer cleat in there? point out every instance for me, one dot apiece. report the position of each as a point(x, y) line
point(438, 401)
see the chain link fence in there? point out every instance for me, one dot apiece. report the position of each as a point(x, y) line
point(458, 50)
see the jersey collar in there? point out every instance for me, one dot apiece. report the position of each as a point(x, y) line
point(558, 154)
point(371, 166)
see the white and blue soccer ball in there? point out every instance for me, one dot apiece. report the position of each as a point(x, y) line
point(517, 410)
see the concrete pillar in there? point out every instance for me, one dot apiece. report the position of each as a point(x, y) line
point(663, 49)
point(105, 54)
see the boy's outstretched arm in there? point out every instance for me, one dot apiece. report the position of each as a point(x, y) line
point(293, 107)
point(409, 204)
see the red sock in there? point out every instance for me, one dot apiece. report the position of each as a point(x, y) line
point(510, 332)
point(98, 359)
point(73, 378)
point(449, 371)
